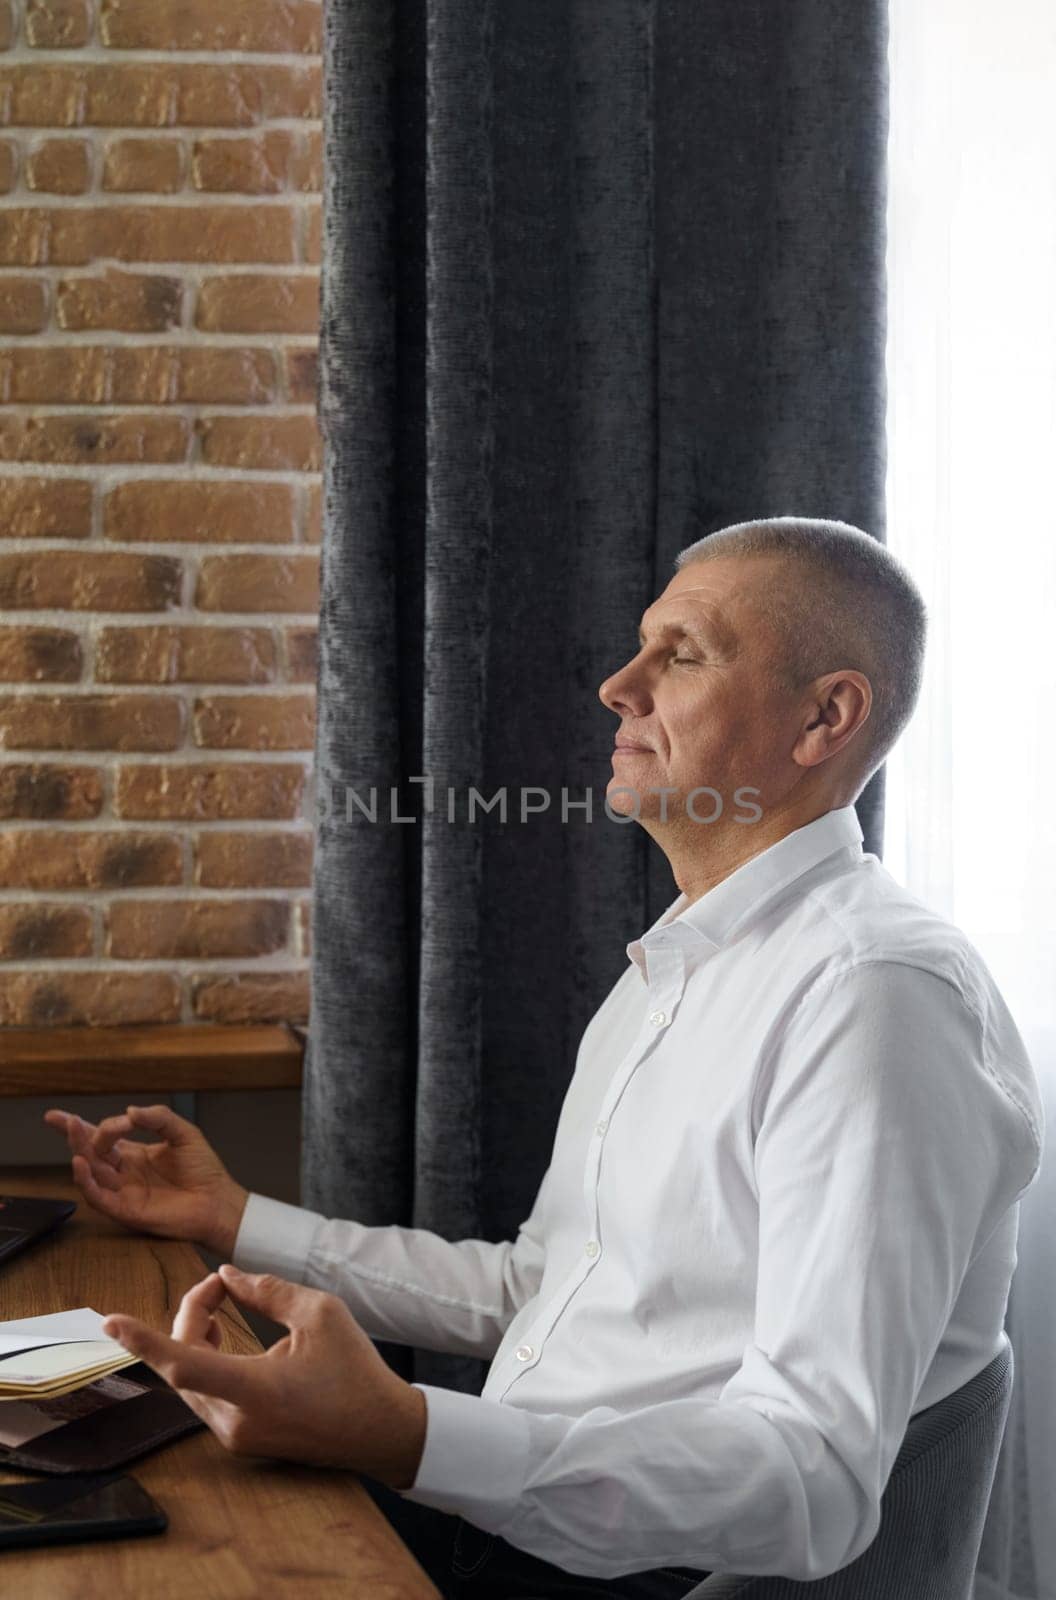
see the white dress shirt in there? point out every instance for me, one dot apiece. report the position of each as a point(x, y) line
point(779, 1218)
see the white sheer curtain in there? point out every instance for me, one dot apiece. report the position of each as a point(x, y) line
point(971, 797)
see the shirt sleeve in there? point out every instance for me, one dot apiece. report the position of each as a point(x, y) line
point(406, 1285)
point(886, 1152)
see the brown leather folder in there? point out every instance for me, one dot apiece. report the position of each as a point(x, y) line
point(114, 1434)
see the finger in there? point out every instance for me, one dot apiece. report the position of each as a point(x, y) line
point(164, 1121)
point(189, 1366)
point(216, 1414)
point(194, 1315)
point(289, 1303)
point(103, 1170)
point(78, 1132)
point(107, 1132)
point(80, 1135)
point(99, 1193)
point(68, 1124)
point(219, 1415)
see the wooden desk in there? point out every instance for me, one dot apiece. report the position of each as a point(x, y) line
point(238, 1529)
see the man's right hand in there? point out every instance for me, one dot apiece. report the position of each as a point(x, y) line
point(176, 1186)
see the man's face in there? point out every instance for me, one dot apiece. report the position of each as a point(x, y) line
point(697, 704)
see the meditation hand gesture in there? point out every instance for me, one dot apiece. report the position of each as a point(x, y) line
point(176, 1186)
point(322, 1394)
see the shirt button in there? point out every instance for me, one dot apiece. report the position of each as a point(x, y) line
point(593, 1247)
point(525, 1352)
point(658, 1019)
point(600, 1127)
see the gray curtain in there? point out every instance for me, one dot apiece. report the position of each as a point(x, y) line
point(600, 276)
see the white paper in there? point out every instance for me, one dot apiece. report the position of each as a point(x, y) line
point(60, 1361)
point(57, 1326)
point(57, 1329)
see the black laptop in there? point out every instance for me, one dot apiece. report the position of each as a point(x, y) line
point(25, 1219)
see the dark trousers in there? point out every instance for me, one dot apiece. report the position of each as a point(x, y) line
point(468, 1564)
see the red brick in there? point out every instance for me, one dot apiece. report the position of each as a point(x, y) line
point(185, 655)
point(313, 233)
point(8, 162)
point(49, 96)
point(127, 301)
point(55, 374)
point(306, 171)
point(41, 792)
point(254, 722)
point(203, 792)
point(258, 164)
point(146, 930)
point(141, 95)
point(209, 511)
point(97, 374)
point(159, 95)
point(302, 655)
point(286, 26)
point(302, 374)
point(252, 997)
point(23, 305)
point(90, 722)
point(259, 302)
point(242, 96)
point(32, 932)
point(206, 233)
point(59, 166)
point(57, 24)
point(59, 236)
point(78, 580)
point(250, 583)
point(45, 508)
point(74, 236)
point(313, 514)
point(87, 999)
point(94, 439)
point(137, 166)
point(304, 927)
point(47, 858)
point(261, 443)
point(219, 376)
point(253, 860)
point(34, 655)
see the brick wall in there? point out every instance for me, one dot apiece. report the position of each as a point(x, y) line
point(159, 505)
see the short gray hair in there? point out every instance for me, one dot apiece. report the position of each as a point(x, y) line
point(856, 606)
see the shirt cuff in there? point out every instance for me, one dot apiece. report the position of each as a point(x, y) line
point(475, 1459)
point(275, 1237)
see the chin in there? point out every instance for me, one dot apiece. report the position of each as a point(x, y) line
point(623, 804)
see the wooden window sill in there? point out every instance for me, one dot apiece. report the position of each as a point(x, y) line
point(176, 1058)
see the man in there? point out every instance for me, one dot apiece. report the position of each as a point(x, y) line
point(781, 1210)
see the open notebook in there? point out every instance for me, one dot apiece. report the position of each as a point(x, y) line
point(56, 1353)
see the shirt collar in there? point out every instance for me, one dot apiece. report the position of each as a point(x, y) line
point(726, 909)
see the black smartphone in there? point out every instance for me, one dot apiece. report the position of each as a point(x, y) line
point(94, 1505)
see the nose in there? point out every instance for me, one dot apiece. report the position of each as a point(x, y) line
point(626, 692)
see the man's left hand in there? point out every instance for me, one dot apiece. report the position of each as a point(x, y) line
point(322, 1394)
